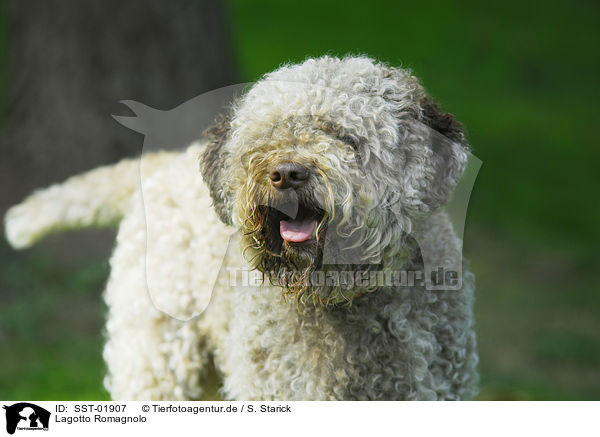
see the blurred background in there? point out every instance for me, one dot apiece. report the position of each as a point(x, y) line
point(521, 76)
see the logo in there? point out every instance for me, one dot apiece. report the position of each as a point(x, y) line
point(26, 416)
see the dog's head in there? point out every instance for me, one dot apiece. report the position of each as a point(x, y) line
point(323, 166)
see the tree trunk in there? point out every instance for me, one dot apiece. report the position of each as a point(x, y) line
point(70, 62)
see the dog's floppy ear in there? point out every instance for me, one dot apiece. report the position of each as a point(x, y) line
point(438, 159)
point(212, 165)
point(443, 122)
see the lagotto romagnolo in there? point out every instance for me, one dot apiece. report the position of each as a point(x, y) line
point(324, 152)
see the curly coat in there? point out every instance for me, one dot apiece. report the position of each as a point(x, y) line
point(384, 160)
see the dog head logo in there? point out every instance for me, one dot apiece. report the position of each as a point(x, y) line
point(320, 180)
point(26, 416)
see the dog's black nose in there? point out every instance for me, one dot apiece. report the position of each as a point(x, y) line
point(288, 174)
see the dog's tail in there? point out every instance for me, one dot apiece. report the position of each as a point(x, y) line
point(96, 198)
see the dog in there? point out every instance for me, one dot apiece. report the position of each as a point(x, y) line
point(334, 165)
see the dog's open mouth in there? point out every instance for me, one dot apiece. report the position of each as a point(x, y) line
point(298, 230)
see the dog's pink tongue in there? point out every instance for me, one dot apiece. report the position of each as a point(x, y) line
point(297, 231)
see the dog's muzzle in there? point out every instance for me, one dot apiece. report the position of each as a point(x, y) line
point(301, 227)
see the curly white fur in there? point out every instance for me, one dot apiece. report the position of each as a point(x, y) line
point(368, 133)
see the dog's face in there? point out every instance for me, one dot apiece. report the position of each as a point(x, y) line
point(324, 166)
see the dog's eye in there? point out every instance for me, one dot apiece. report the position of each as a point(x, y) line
point(352, 142)
point(349, 140)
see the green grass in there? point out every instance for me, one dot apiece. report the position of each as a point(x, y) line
point(50, 327)
point(523, 79)
point(537, 318)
